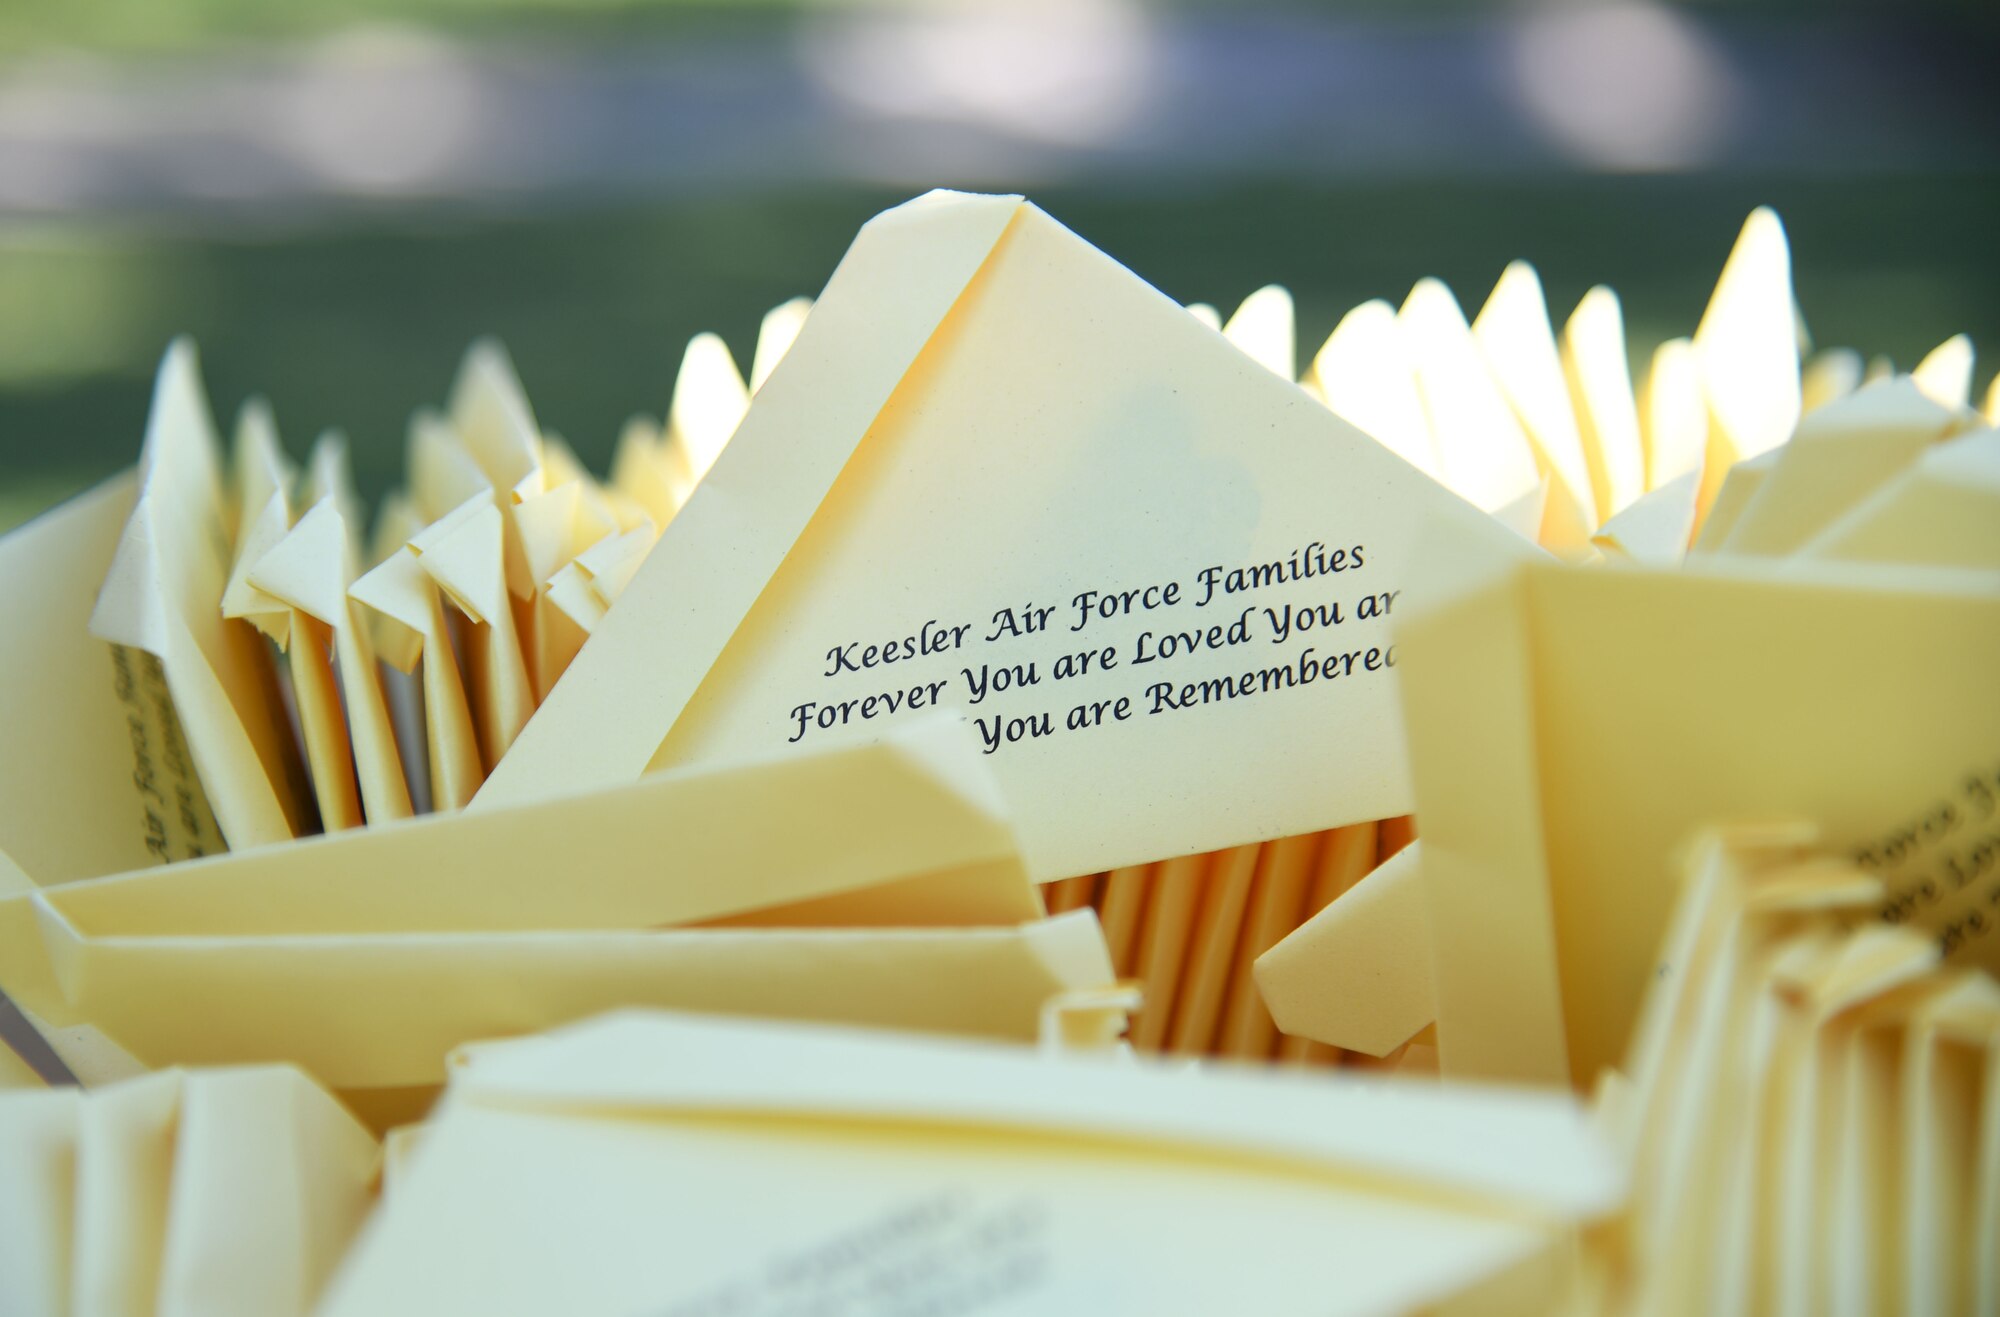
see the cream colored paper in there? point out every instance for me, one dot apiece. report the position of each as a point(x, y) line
point(950, 367)
point(1514, 333)
point(163, 594)
point(466, 552)
point(1840, 455)
point(1600, 385)
point(1659, 701)
point(1357, 975)
point(833, 1164)
point(775, 335)
point(908, 832)
point(311, 569)
point(37, 1200)
point(1263, 328)
point(404, 1000)
point(1482, 451)
point(406, 600)
point(1747, 345)
point(1942, 510)
point(89, 781)
point(186, 1194)
point(1655, 528)
point(1365, 374)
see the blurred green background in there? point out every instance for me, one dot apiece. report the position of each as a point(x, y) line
point(335, 197)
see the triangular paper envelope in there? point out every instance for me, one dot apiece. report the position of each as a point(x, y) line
point(652, 1163)
point(1626, 709)
point(996, 473)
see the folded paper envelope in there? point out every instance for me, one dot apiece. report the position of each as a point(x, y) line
point(380, 1011)
point(907, 832)
point(74, 796)
point(996, 473)
point(230, 1191)
point(1569, 727)
point(655, 1163)
point(1811, 1101)
point(162, 594)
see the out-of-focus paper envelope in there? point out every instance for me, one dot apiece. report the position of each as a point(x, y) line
point(1624, 709)
point(1841, 454)
point(163, 594)
point(380, 1011)
point(207, 1192)
point(1942, 510)
point(999, 474)
point(650, 1163)
point(83, 779)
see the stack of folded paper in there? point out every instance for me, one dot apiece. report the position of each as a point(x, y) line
point(1828, 655)
point(1812, 1108)
point(232, 1191)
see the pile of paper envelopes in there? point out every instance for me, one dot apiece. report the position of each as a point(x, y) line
point(1811, 1107)
point(871, 883)
point(654, 1163)
point(211, 1192)
point(1826, 652)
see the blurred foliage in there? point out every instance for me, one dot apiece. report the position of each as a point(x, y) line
point(178, 25)
point(353, 322)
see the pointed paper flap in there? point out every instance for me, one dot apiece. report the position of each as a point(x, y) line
point(774, 338)
point(443, 474)
point(1514, 334)
point(490, 412)
point(548, 524)
point(613, 561)
point(1942, 510)
point(462, 553)
point(1600, 381)
point(262, 530)
point(1675, 415)
point(1144, 565)
point(1945, 373)
point(1656, 527)
point(1365, 374)
point(399, 589)
point(1358, 974)
point(1843, 452)
point(1482, 451)
point(305, 568)
point(1748, 344)
point(1828, 377)
point(709, 401)
point(1262, 327)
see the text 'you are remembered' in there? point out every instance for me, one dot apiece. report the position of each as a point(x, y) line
point(1193, 640)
